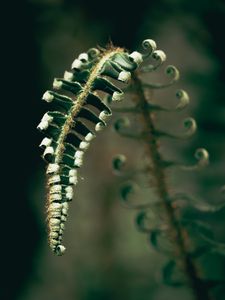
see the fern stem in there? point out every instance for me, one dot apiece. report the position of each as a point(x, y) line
point(178, 234)
point(81, 99)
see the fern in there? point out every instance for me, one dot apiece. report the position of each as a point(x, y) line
point(81, 111)
point(68, 136)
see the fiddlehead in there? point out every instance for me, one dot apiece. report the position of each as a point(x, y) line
point(70, 129)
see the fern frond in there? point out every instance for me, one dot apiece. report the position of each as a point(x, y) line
point(169, 227)
point(68, 130)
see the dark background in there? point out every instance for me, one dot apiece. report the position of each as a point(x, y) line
point(106, 258)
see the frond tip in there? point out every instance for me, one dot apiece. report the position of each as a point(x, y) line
point(202, 157)
point(118, 163)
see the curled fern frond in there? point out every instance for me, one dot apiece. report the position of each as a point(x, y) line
point(189, 124)
point(182, 97)
point(202, 157)
point(118, 163)
point(127, 189)
point(121, 123)
point(170, 235)
point(68, 130)
point(171, 72)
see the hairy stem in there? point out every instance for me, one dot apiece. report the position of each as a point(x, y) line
point(178, 234)
point(81, 99)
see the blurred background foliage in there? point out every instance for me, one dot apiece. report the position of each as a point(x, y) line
point(106, 258)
